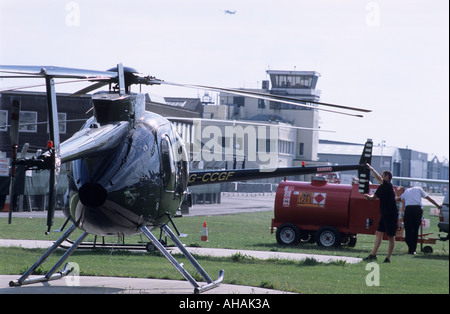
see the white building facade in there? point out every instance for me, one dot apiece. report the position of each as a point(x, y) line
point(293, 143)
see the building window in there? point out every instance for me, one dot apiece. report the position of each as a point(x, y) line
point(239, 101)
point(301, 149)
point(261, 104)
point(292, 81)
point(62, 122)
point(3, 120)
point(28, 121)
point(285, 147)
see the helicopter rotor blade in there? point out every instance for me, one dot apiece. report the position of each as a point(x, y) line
point(90, 88)
point(264, 96)
point(133, 77)
point(10, 89)
point(54, 172)
point(106, 77)
point(56, 72)
point(103, 81)
point(247, 122)
point(14, 126)
point(281, 97)
point(14, 135)
point(54, 148)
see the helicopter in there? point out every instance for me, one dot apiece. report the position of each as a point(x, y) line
point(127, 167)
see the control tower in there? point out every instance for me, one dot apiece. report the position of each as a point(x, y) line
point(301, 85)
point(297, 84)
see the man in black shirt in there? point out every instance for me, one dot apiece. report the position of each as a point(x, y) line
point(389, 213)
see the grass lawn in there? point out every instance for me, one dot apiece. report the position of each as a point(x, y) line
point(423, 273)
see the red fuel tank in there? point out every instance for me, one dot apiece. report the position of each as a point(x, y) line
point(311, 205)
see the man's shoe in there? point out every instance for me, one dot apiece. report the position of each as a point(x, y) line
point(387, 260)
point(370, 258)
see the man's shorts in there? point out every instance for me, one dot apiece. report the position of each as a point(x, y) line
point(388, 224)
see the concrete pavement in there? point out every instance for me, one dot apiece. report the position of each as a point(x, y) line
point(114, 285)
point(31, 244)
point(107, 285)
point(119, 285)
point(263, 255)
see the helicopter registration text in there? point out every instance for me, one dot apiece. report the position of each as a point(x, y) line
point(211, 176)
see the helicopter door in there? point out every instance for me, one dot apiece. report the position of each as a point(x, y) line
point(168, 166)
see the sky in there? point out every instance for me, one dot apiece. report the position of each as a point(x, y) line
point(390, 56)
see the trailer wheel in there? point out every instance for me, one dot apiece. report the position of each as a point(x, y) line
point(328, 237)
point(349, 239)
point(288, 234)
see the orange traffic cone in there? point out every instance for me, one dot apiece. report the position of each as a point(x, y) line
point(5, 208)
point(204, 232)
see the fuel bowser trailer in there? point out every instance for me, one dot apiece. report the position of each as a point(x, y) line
point(326, 213)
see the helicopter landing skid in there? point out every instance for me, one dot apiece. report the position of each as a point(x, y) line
point(197, 288)
point(51, 275)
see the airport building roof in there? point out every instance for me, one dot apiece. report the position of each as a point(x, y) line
point(343, 148)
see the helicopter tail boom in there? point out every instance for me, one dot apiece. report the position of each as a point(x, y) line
point(221, 176)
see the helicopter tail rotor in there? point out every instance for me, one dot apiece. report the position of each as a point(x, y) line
point(50, 160)
point(364, 171)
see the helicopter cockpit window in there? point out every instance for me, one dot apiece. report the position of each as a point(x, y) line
point(168, 167)
point(182, 171)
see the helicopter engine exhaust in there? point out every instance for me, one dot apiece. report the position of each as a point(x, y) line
point(92, 194)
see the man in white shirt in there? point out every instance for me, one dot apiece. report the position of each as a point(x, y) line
point(413, 214)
